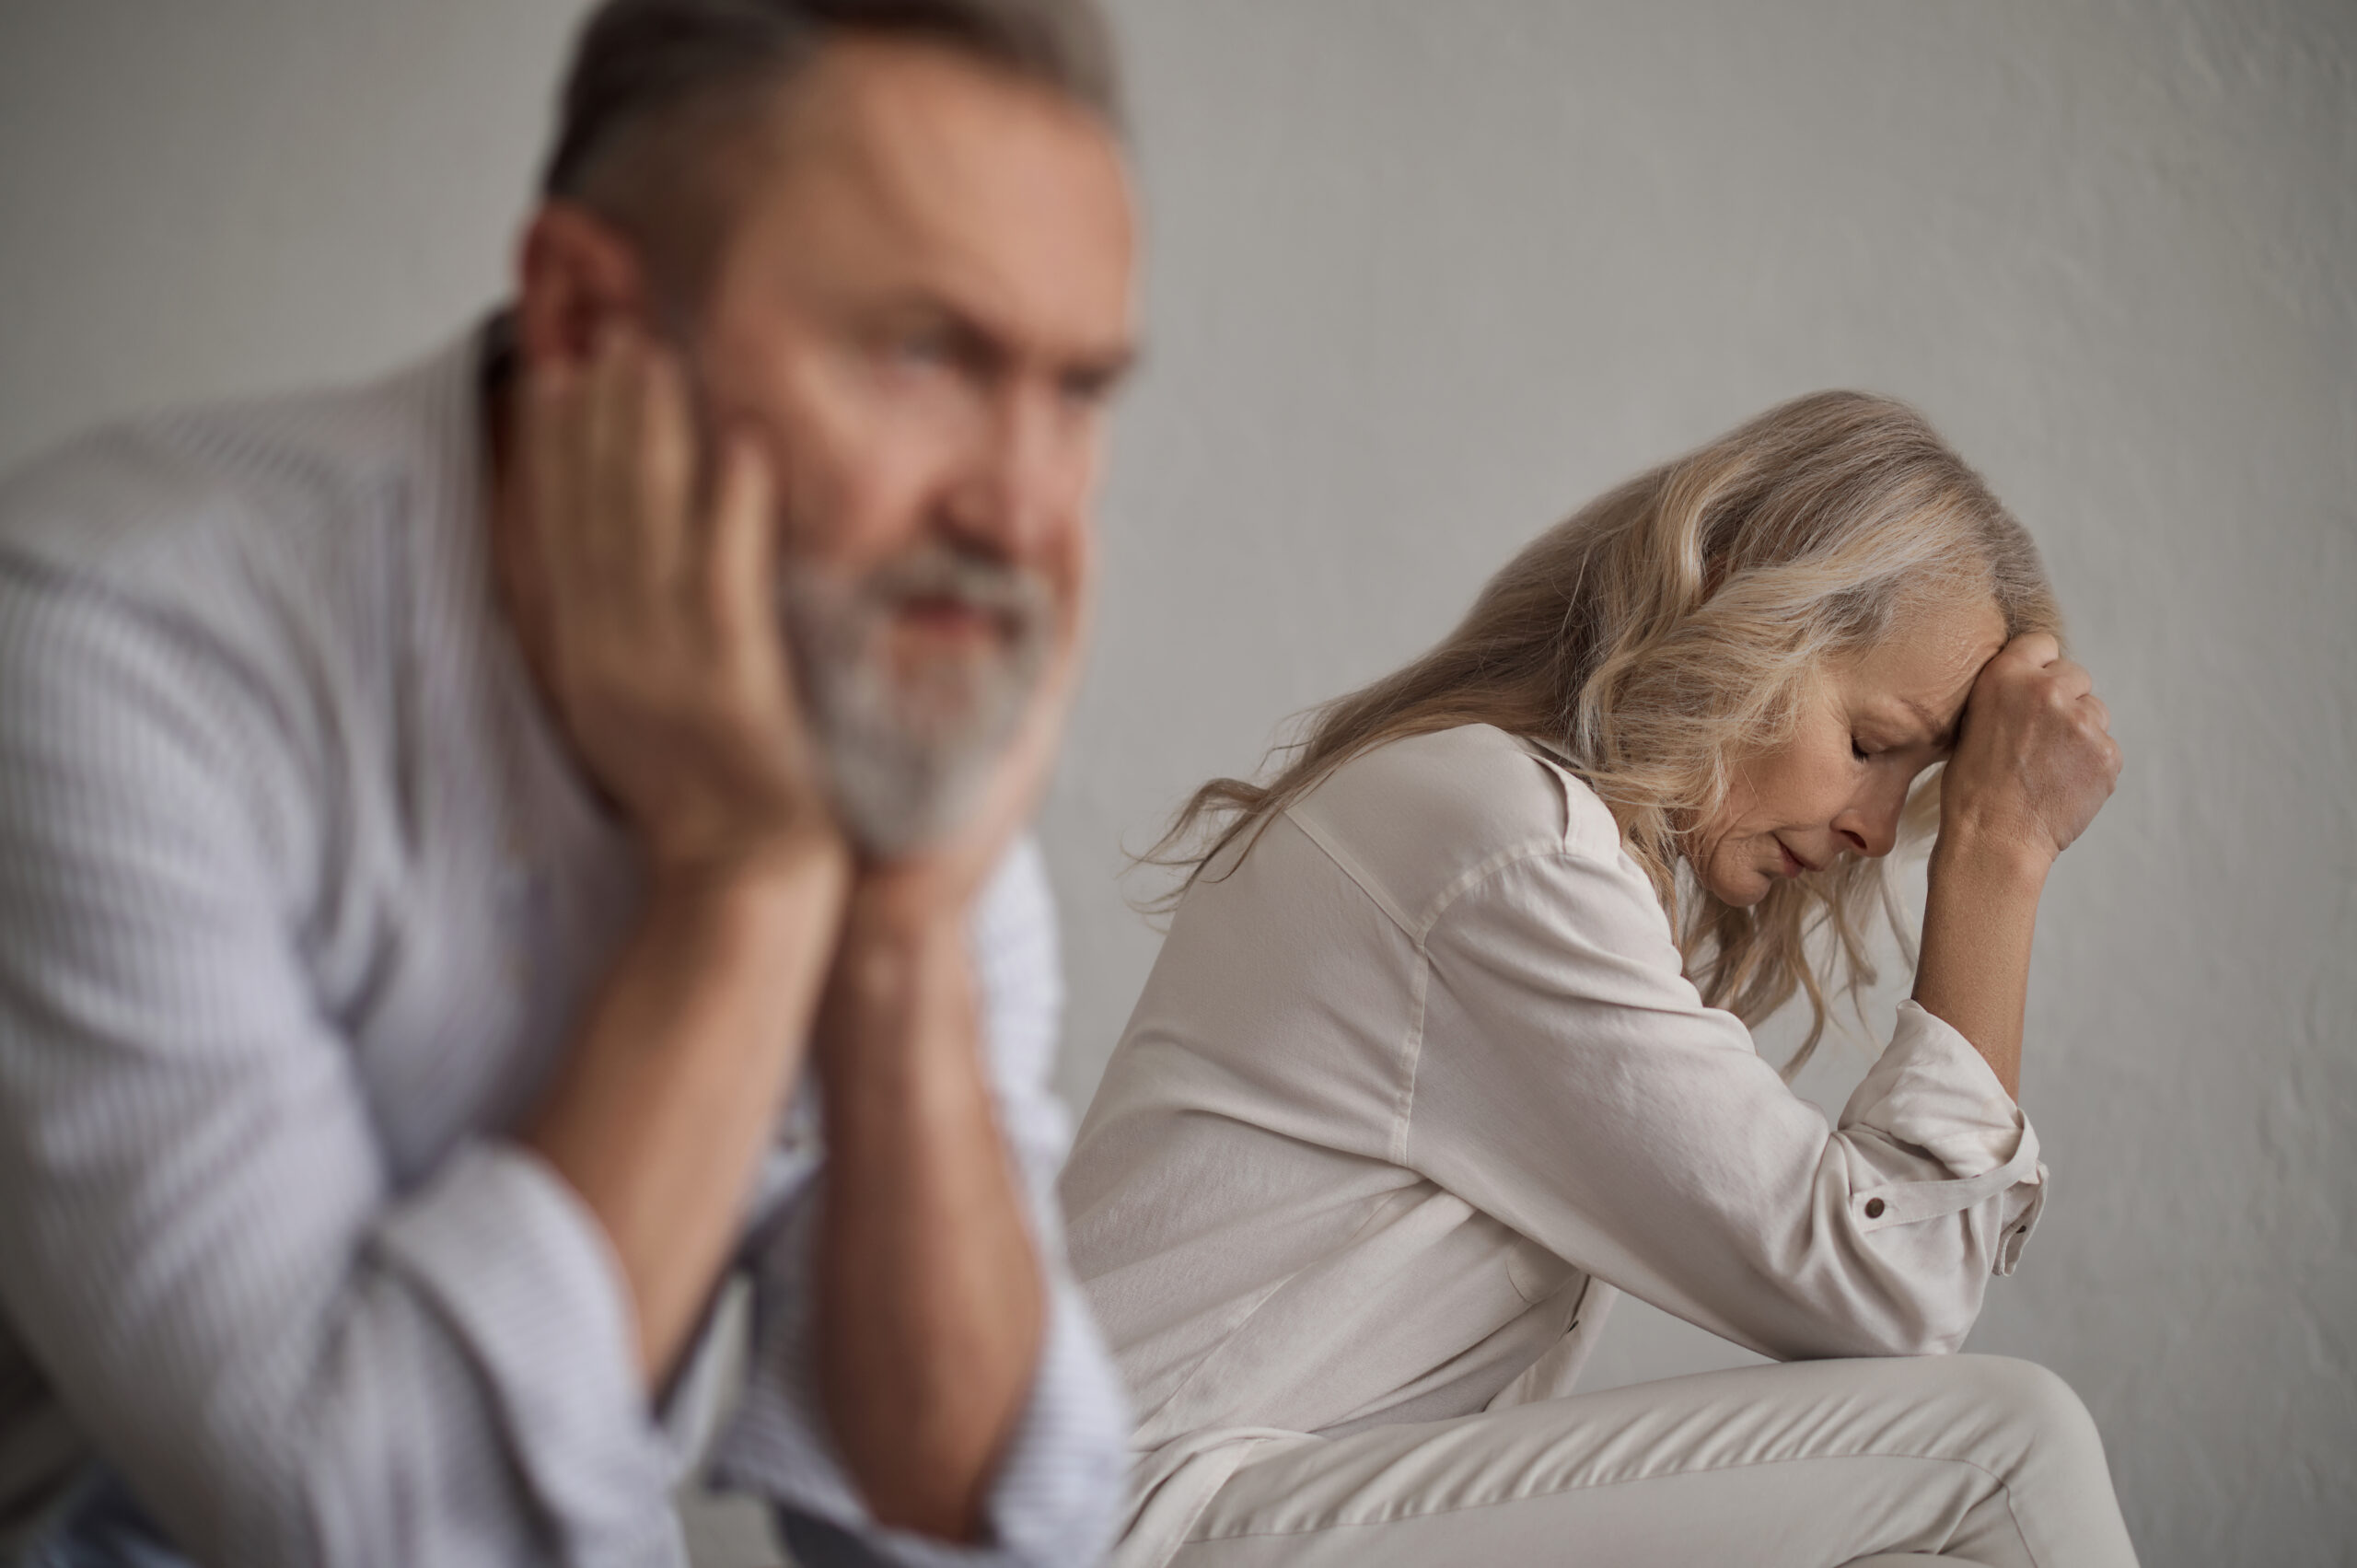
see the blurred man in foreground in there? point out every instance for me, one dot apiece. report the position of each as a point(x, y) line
point(479, 848)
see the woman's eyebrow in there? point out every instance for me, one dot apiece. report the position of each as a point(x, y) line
point(1941, 731)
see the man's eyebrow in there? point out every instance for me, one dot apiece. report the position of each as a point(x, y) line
point(1100, 368)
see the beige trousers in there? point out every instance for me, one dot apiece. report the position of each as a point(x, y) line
point(1963, 1459)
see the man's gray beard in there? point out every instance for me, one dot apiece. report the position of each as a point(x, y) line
point(905, 764)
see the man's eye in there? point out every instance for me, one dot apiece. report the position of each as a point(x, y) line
point(1086, 391)
point(921, 349)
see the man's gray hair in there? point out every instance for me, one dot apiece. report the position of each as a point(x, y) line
point(643, 67)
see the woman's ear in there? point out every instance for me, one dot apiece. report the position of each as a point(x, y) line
point(575, 272)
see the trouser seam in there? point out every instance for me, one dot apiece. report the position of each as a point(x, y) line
point(2004, 1488)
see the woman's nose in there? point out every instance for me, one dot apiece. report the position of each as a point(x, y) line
point(1870, 830)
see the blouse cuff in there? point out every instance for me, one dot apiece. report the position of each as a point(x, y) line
point(1933, 1098)
point(516, 1262)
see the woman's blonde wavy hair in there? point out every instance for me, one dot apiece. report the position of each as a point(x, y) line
point(1673, 627)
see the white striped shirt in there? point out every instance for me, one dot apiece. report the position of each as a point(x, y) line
point(300, 897)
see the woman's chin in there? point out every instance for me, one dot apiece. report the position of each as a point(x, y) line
point(1742, 889)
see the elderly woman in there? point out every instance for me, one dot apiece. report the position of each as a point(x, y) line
point(1448, 1043)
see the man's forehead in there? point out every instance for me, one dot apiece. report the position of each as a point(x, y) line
point(905, 168)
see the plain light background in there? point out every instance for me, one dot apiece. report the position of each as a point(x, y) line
point(1425, 276)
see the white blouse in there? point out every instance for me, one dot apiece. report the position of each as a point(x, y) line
point(1418, 1080)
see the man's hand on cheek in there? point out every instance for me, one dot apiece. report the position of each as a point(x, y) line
point(647, 615)
point(656, 627)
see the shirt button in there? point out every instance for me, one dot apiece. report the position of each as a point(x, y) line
point(1874, 1208)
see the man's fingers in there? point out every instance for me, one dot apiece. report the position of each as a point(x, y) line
point(552, 436)
point(665, 471)
point(742, 544)
point(608, 522)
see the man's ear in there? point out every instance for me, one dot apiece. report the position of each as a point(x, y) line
point(575, 272)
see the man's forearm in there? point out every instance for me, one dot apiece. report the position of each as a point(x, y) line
point(679, 1070)
point(931, 1302)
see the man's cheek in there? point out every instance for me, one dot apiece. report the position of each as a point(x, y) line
point(836, 518)
point(1065, 564)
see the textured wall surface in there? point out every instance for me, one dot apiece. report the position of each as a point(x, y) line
point(1425, 276)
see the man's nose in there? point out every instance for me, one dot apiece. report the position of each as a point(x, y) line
point(1014, 483)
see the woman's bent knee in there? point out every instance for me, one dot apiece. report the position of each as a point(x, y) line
point(2043, 1446)
point(2039, 1438)
point(2030, 1397)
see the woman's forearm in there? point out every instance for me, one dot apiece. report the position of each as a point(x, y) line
point(2034, 762)
point(1978, 921)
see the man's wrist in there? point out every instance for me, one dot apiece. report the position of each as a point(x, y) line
point(788, 876)
point(892, 952)
point(901, 911)
point(902, 976)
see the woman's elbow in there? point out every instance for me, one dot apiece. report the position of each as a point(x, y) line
point(1871, 1309)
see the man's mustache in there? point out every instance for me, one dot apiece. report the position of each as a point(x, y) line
point(1019, 600)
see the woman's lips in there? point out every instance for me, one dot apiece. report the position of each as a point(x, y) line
point(1793, 864)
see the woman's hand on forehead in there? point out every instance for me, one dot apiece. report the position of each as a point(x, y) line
point(2035, 760)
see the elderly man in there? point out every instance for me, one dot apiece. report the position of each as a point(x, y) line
point(485, 854)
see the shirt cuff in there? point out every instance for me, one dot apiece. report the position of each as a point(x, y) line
point(1941, 1135)
point(510, 1256)
point(1066, 1474)
point(1054, 1500)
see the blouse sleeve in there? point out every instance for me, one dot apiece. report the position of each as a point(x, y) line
point(1569, 1080)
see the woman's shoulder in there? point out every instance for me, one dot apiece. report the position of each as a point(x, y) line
point(1424, 814)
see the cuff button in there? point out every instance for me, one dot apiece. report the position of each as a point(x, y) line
point(1874, 1208)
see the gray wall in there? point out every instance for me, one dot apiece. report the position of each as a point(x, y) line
point(1424, 277)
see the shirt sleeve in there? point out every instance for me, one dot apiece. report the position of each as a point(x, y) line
point(1060, 1486)
point(1569, 1080)
point(287, 1361)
